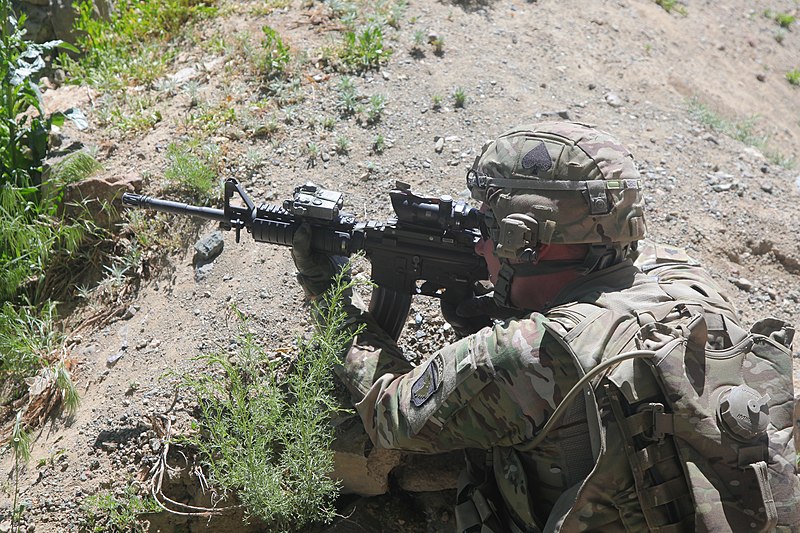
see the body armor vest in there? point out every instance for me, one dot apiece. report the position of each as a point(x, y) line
point(696, 438)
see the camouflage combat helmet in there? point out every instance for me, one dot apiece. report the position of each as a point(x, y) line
point(558, 182)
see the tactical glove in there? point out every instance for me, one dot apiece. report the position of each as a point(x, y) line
point(314, 270)
point(476, 312)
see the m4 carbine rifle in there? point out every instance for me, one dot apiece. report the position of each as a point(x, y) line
point(426, 249)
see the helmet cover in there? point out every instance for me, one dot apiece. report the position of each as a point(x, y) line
point(558, 182)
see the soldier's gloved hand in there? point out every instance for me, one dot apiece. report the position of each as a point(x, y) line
point(477, 312)
point(314, 270)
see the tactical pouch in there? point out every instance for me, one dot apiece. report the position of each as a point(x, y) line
point(727, 416)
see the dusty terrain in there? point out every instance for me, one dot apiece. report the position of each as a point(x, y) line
point(627, 66)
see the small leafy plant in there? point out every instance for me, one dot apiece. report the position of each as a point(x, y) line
point(106, 511)
point(671, 5)
point(275, 56)
point(784, 20)
point(263, 429)
point(459, 97)
point(793, 77)
point(438, 45)
point(378, 144)
point(364, 50)
point(377, 103)
point(348, 97)
point(342, 145)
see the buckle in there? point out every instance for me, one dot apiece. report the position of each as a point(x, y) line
point(662, 425)
point(475, 180)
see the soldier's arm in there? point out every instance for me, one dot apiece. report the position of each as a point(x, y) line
point(494, 388)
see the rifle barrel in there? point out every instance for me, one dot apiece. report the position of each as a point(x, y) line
point(178, 208)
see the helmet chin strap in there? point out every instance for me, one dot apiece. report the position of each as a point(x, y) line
point(600, 256)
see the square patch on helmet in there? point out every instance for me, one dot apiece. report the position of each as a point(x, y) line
point(428, 382)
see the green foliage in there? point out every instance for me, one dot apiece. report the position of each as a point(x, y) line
point(436, 102)
point(274, 57)
point(24, 128)
point(364, 50)
point(379, 144)
point(784, 20)
point(27, 337)
point(459, 97)
point(377, 103)
point(743, 130)
point(20, 445)
point(107, 512)
point(264, 429)
point(348, 97)
point(438, 45)
point(793, 77)
point(328, 123)
point(671, 5)
point(342, 145)
point(32, 233)
point(132, 46)
point(75, 167)
point(190, 173)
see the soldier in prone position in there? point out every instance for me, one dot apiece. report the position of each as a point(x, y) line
point(598, 387)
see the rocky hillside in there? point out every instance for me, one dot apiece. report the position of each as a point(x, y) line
point(699, 92)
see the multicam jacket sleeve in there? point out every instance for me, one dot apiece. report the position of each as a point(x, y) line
point(494, 388)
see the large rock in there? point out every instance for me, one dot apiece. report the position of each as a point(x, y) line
point(430, 473)
point(54, 19)
point(362, 469)
point(101, 196)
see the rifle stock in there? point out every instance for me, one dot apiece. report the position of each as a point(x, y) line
point(427, 249)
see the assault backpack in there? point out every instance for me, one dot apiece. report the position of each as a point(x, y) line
point(691, 417)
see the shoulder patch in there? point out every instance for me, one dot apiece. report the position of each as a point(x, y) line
point(428, 383)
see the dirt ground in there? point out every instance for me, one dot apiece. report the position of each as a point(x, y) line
point(627, 66)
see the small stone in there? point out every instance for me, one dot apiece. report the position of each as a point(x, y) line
point(761, 77)
point(767, 188)
point(155, 445)
point(439, 146)
point(773, 294)
point(613, 100)
point(208, 247)
point(744, 284)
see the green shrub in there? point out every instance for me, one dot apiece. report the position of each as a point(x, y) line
point(342, 145)
point(364, 50)
point(263, 431)
point(24, 128)
point(793, 76)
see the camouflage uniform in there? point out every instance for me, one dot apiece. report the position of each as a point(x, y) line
point(689, 429)
point(495, 389)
